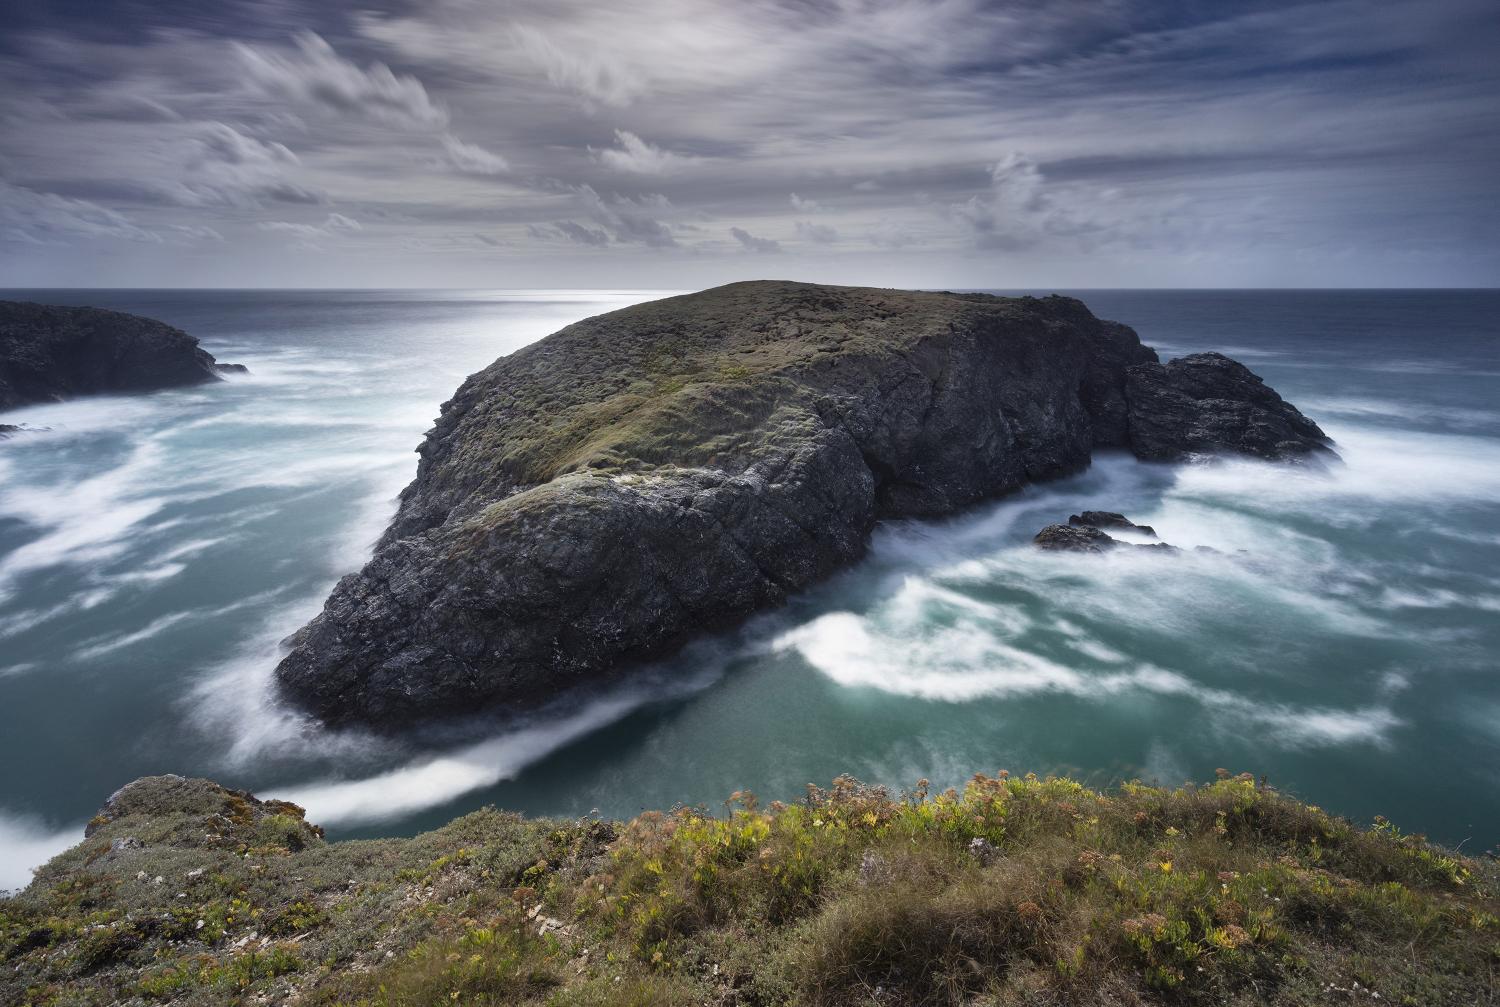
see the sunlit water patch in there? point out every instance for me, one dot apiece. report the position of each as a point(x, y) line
point(1339, 637)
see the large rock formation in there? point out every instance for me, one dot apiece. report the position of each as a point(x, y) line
point(48, 352)
point(666, 469)
point(1207, 403)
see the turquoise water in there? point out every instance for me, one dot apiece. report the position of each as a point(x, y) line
point(1343, 641)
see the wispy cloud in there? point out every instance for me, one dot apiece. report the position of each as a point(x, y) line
point(308, 235)
point(942, 142)
point(473, 158)
point(312, 73)
point(636, 155)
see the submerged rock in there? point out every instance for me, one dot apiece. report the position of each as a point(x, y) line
point(645, 475)
point(48, 352)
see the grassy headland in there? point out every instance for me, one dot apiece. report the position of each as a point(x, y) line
point(1013, 891)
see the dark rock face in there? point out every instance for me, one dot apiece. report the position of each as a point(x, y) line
point(1073, 538)
point(1085, 533)
point(655, 472)
point(1109, 519)
point(1206, 403)
point(49, 353)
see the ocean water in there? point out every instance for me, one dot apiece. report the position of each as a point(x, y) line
point(1343, 641)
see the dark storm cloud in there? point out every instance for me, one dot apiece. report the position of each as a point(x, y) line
point(939, 142)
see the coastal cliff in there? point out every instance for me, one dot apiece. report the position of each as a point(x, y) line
point(1014, 891)
point(49, 352)
point(670, 468)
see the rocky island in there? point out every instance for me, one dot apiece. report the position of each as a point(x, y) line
point(1013, 891)
point(49, 352)
point(667, 469)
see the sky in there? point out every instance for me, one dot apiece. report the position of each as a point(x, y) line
point(681, 143)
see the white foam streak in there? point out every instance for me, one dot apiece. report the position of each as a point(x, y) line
point(26, 844)
point(964, 663)
point(1387, 465)
point(429, 782)
point(86, 524)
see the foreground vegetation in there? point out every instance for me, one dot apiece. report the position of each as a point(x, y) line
point(1013, 891)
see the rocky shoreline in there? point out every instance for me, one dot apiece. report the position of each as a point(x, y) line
point(49, 353)
point(602, 495)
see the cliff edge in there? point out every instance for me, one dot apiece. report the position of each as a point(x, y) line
point(1014, 891)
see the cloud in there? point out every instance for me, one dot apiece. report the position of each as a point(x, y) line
point(472, 158)
point(307, 235)
point(315, 75)
point(1120, 143)
point(43, 218)
point(819, 233)
point(1013, 213)
point(629, 220)
point(193, 233)
point(636, 155)
point(891, 234)
point(763, 246)
point(583, 235)
point(217, 165)
point(593, 74)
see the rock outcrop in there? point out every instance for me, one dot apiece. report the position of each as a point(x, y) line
point(178, 811)
point(655, 472)
point(1085, 533)
point(1109, 519)
point(1206, 403)
point(49, 352)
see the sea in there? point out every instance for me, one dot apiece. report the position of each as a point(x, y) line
point(1342, 640)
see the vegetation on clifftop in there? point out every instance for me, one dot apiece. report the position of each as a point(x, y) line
point(1012, 891)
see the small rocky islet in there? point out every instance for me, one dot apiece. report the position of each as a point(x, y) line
point(49, 353)
point(600, 496)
